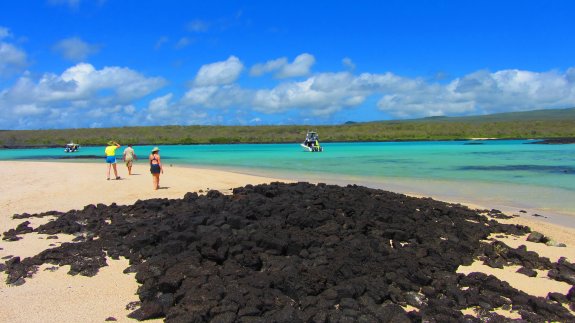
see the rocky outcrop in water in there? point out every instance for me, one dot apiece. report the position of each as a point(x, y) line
point(555, 141)
point(299, 253)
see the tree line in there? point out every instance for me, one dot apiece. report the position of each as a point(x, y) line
point(422, 129)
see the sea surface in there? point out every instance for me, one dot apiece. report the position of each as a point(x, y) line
point(511, 171)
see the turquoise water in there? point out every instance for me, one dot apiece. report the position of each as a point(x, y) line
point(509, 175)
point(499, 161)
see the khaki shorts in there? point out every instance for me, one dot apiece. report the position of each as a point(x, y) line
point(129, 162)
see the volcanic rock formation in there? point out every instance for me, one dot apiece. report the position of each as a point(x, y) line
point(300, 253)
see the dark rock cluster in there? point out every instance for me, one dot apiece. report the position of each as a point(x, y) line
point(540, 238)
point(300, 253)
point(555, 141)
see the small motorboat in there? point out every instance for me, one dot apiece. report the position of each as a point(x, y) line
point(71, 148)
point(311, 142)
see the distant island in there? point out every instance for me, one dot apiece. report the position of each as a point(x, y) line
point(556, 124)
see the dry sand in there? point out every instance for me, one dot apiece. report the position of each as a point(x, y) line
point(53, 296)
point(34, 187)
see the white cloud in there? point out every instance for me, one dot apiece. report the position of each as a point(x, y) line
point(299, 67)
point(124, 83)
point(324, 94)
point(267, 67)
point(162, 110)
point(70, 3)
point(79, 92)
point(200, 95)
point(198, 26)
point(183, 42)
point(219, 73)
point(348, 63)
point(75, 4)
point(106, 112)
point(4, 32)
point(161, 42)
point(223, 96)
point(570, 75)
point(129, 109)
point(12, 59)
point(318, 95)
point(412, 106)
point(27, 110)
point(160, 107)
point(483, 92)
point(83, 93)
point(75, 49)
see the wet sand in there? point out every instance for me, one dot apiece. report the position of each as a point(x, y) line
point(52, 295)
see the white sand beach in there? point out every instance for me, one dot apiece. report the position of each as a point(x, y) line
point(53, 296)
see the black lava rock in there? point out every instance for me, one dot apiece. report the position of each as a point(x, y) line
point(527, 272)
point(299, 253)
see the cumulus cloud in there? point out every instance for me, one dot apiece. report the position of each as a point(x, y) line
point(12, 58)
point(75, 49)
point(84, 81)
point(27, 110)
point(159, 108)
point(269, 66)
point(223, 96)
point(299, 67)
point(324, 94)
point(327, 93)
point(283, 69)
point(162, 110)
point(219, 73)
point(217, 96)
point(484, 92)
point(105, 112)
point(80, 91)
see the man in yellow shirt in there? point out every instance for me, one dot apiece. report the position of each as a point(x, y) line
point(111, 157)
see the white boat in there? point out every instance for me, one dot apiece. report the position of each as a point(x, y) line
point(311, 142)
point(71, 148)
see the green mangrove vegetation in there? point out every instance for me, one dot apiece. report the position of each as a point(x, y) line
point(559, 123)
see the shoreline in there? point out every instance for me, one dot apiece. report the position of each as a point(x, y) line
point(419, 188)
point(543, 140)
point(34, 187)
point(506, 197)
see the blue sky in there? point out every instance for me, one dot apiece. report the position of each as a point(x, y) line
point(108, 63)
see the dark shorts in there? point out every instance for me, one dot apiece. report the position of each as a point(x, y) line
point(155, 169)
point(111, 159)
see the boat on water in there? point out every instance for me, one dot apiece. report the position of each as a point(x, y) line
point(71, 148)
point(311, 142)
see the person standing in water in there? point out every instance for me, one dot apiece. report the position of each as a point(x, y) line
point(156, 167)
point(110, 152)
point(129, 157)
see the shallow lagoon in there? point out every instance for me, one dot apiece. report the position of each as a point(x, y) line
point(502, 171)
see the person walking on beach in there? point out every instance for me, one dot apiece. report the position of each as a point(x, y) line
point(129, 157)
point(111, 157)
point(156, 167)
